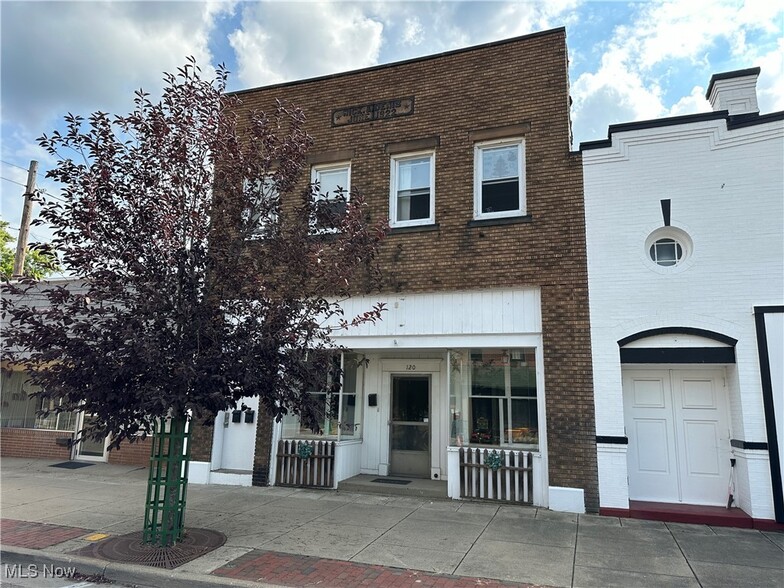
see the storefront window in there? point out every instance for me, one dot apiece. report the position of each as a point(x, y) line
point(493, 397)
point(21, 410)
point(339, 413)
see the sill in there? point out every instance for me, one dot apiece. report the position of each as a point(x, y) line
point(508, 447)
point(506, 220)
point(414, 229)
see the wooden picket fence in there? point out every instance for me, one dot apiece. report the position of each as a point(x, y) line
point(511, 482)
point(316, 471)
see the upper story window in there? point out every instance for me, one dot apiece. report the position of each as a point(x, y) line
point(412, 190)
point(499, 179)
point(334, 182)
point(261, 213)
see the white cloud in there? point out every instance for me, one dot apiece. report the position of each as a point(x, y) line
point(643, 60)
point(287, 41)
point(413, 32)
point(770, 86)
point(691, 104)
point(84, 56)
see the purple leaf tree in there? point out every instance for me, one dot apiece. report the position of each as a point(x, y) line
point(207, 269)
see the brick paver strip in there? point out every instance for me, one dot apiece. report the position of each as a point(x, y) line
point(36, 535)
point(303, 570)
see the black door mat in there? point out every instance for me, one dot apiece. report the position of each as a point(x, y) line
point(130, 549)
point(71, 465)
point(391, 481)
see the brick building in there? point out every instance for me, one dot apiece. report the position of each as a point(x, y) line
point(486, 340)
point(685, 226)
point(24, 433)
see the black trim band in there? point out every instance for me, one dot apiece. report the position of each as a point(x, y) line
point(678, 355)
point(612, 439)
point(770, 410)
point(665, 206)
point(679, 331)
point(755, 445)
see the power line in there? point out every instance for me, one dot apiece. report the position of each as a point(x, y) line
point(43, 190)
point(20, 167)
point(13, 181)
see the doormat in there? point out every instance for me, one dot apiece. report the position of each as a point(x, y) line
point(390, 481)
point(71, 465)
point(130, 549)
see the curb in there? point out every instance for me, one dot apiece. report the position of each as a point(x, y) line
point(122, 573)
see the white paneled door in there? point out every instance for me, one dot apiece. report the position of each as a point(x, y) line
point(678, 430)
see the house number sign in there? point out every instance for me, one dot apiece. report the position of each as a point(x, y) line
point(374, 111)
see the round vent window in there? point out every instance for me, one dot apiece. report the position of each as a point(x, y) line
point(668, 247)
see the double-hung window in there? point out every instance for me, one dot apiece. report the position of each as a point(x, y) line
point(261, 212)
point(412, 190)
point(499, 179)
point(332, 196)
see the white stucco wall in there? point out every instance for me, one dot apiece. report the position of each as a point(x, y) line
point(726, 189)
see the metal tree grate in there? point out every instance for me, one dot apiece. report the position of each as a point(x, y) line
point(167, 484)
point(132, 549)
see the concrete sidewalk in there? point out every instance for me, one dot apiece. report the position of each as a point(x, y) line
point(302, 537)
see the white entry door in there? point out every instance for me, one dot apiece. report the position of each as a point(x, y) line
point(679, 440)
point(90, 449)
point(239, 437)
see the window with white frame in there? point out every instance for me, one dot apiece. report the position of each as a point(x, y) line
point(493, 397)
point(261, 212)
point(499, 179)
point(334, 185)
point(412, 189)
point(20, 409)
point(339, 413)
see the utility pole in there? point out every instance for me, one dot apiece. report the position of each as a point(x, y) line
point(24, 227)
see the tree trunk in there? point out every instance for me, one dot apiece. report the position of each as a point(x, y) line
point(167, 483)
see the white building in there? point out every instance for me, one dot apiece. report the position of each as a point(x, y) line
point(685, 242)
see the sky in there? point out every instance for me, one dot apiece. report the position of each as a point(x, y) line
point(628, 61)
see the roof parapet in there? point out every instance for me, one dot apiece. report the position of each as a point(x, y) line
point(734, 91)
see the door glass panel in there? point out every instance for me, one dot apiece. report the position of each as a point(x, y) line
point(91, 447)
point(410, 399)
point(410, 437)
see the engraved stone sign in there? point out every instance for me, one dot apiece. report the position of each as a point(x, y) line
point(373, 111)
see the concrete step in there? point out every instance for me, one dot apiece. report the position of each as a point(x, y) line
point(394, 486)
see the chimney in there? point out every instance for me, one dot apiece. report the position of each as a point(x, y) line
point(734, 91)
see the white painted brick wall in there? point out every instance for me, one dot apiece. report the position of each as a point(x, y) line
point(727, 193)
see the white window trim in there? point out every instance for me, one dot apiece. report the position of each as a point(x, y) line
point(506, 399)
point(315, 176)
point(478, 148)
point(393, 174)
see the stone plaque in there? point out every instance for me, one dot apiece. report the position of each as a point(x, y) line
point(374, 111)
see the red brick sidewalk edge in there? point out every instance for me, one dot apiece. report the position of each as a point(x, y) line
point(36, 535)
point(303, 570)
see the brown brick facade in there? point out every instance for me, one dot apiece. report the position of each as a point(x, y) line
point(459, 98)
point(35, 443)
point(200, 440)
point(137, 453)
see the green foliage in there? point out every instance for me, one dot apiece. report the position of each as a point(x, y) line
point(40, 260)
